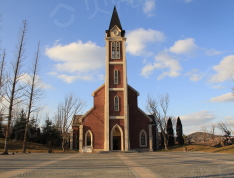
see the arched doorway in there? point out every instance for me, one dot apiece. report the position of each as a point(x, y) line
point(116, 138)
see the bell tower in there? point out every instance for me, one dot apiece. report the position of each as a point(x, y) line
point(116, 91)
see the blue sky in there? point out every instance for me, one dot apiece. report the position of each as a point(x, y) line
point(183, 47)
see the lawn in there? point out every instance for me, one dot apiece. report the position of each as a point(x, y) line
point(226, 149)
point(16, 146)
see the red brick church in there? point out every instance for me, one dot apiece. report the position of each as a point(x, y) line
point(114, 122)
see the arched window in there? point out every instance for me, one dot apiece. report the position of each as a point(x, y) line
point(88, 138)
point(115, 50)
point(143, 138)
point(116, 103)
point(116, 77)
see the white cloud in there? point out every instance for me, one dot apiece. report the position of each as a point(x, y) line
point(228, 118)
point(195, 75)
point(148, 7)
point(77, 60)
point(163, 61)
point(224, 69)
point(218, 87)
point(26, 78)
point(213, 52)
point(71, 78)
point(228, 97)
point(192, 122)
point(183, 46)
point(139, 39)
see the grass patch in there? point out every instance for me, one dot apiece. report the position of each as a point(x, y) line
point(226, 149)
point(16, 146)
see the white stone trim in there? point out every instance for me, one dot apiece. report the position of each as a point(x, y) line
point(116, 117)
point(125, 84)
point(121, 133)
point(91, 134)
point(143, 131)
point(106, 115)
point(81, 138)
point(116, 89)
point(117, 63)
point(93, 94)
point(150, 138)
point(71, 139)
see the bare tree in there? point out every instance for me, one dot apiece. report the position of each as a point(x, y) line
point(224, 128)
point(14, 89)
point(212, 132)
point(204, 133)
point(33, 94)
point(72, 105)
point(158, 107)
point(2, 75)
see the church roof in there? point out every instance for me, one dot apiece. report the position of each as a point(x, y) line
point(75, 120)
point(115, 20)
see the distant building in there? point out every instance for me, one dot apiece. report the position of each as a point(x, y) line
point(114, 122)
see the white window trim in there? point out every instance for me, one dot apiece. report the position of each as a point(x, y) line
point(143, 131)
point(116, 45)
point(116, 77)
point(88, 131)
point(115, 104)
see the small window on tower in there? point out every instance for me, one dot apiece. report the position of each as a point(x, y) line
point(115, 50)
point(116, 103)
point(116, 77)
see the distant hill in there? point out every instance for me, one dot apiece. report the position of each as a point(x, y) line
point(202, 137)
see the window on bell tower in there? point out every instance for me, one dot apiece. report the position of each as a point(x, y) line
point(116, 103)
point(116, 77)
point(115, 50)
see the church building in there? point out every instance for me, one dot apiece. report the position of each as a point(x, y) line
point(115, 122)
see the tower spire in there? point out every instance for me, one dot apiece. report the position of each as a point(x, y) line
point(115, 20)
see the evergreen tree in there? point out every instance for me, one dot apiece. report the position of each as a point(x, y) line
point(18, 128)
point(50, 134)
point(179, 132)
point(170, 133)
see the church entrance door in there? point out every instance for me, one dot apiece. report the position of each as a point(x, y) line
point(116, 138)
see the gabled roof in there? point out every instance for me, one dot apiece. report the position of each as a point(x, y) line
point(75, 120)
point(134, 90)
point(93, 94)
point(115, 20)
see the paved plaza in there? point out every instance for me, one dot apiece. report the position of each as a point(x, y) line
point(149, 164)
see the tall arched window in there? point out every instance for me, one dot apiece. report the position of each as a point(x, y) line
point(143, 138)
point(116, 77)
point(88, 138)
point(116, 103)
point(115, 50)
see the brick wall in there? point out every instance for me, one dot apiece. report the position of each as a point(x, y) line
point(137, 122)
point(111, 76)
point(94, 121)
point(121, 103)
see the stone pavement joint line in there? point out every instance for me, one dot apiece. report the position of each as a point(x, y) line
point(137, 169)
point(22, 171)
